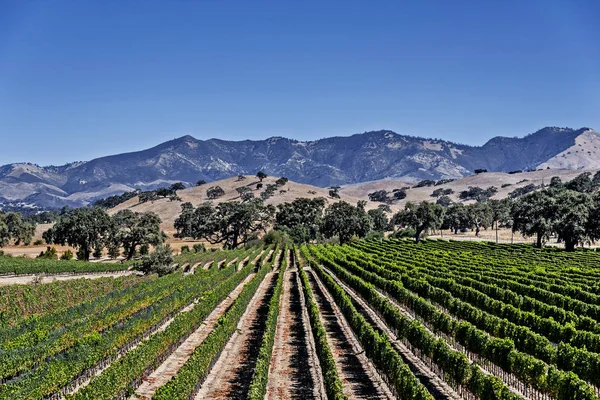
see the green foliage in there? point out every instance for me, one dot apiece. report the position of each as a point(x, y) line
point(82, 228)
point(420, 217)
point(258, 385)
point(345, 220)
point(14, 228)
point(332, 382)
point(67, 255)
point(261, 175)
point(231, 223)
point(49, 254)
point(477, 193)
point(379, 220)
point(214, 192)
point(160, 261)
point(301, 218)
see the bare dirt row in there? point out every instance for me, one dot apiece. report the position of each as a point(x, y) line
point(231, 375)
point(175, 361)
point(359, 378)
point(294, 372)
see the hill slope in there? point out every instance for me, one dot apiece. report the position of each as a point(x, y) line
point(169, 210)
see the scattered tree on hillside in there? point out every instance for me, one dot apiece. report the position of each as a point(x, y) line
point(582, 183)
point(114, 201)
point(379, 196)
point(477, 193)
point(261, 175)
point(442, 192)
point(177, 186)
point(444, 201)
point(399, 194)
point(214, 192)
point(425, 183)
point(281, 181)
point(444, 181)
point(259, 186)
point(556, 182)
point(334, 192)
point(480, 171)
point(201, 182)
point(247, 196)
point(241, 178)
point(344, 220)
point(523, 191)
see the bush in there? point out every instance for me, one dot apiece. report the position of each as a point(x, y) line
point(185, 249)
point(49, 254)
point(67, 255)
point(38, 242)
point(276, 237)
point(159, 262)
point(404, 233)
point(199, 248)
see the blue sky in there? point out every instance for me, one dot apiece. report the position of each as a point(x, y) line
point(82, 79)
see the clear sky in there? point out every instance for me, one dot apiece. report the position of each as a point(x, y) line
point(81, 79)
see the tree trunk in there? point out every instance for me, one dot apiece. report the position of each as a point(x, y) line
point(539, 240)
point(570, 245)
point(131, 252)
point(496, 231)
point(418, 236)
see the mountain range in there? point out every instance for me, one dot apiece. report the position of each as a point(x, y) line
point(331, 161)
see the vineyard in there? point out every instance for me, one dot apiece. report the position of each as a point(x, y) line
point(366, 320)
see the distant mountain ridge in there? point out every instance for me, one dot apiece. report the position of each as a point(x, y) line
point(335, 160)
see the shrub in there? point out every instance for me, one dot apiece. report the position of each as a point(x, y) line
point(38, 242)
point(185, 249)
point(49, 254)
point(67, 255)
point(160, 261)
point(199, 248)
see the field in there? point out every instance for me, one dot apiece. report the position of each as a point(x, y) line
point(368, 320)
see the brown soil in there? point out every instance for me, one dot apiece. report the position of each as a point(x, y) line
point(232, 373)
point(358, 376)
point(292, 368)
point(175, 361)
point(27, 279)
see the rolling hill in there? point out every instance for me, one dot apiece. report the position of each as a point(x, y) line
point(353, 159)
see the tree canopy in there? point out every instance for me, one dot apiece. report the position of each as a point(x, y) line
point(344, 220)
point(231, 223)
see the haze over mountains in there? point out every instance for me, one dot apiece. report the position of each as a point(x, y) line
point(331, 161)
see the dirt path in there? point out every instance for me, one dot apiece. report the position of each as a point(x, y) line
point(358, 376)
point(231, 375)
point(435, 385)
point(27, 279)
point(175, 361)
point(292, 369)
